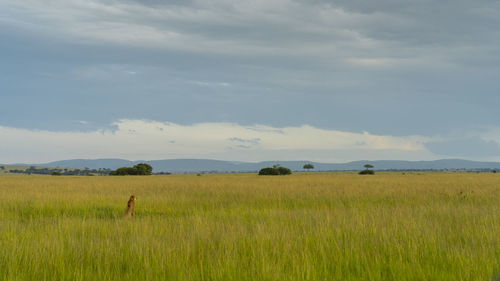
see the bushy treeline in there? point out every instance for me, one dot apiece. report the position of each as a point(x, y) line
point(139, 169)
point(59, 171)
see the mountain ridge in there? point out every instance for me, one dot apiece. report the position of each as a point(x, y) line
point(210, 165)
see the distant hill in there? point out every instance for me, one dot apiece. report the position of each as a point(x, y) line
point(203, 165)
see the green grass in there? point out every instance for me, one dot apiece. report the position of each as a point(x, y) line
point(312, 226)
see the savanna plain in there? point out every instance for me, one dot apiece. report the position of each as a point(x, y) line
point(306, 226)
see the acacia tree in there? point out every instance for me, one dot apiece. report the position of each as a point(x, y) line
point(308, 166)
point(367, 170)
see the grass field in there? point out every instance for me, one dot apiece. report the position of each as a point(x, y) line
point(316, 226)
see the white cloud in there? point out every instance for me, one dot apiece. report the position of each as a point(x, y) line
point(144, 139)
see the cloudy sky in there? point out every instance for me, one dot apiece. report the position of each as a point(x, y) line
point(254, 80)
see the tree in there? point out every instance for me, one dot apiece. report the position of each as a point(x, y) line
point(143, 169)
point(308, 166)
point(139, 169)
point(367, 170)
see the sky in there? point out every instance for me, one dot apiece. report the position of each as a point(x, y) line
point(317, 80)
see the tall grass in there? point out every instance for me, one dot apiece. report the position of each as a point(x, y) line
point(314, 226)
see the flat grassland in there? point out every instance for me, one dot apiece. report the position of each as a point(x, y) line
point(312, 226)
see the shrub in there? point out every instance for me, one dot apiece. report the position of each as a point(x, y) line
point(284, 171)
point(275, 171)
point(367, 172)
point(269, 172)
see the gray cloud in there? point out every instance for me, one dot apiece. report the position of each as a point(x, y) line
point(465, 147)
point(388, 67)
